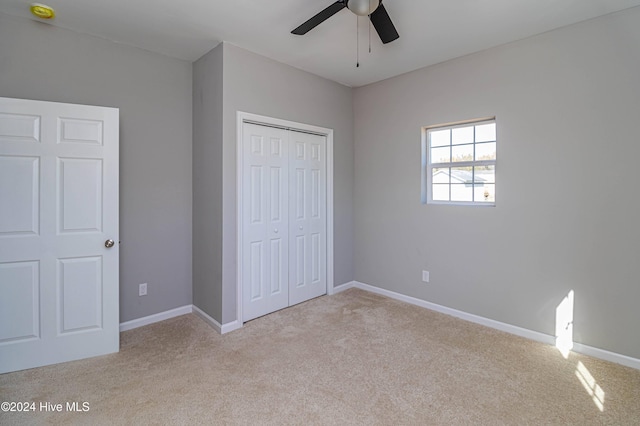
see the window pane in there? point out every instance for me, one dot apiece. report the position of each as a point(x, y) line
point(440, 176)
point(461, 192)
point(440, 137)
point(461, 175)
point(485, 174)
point(486, 132)
point(440, 155)
point(486, 151)
point(485, 193)
point(440, 192)
point(462, 135)
point(462, 153)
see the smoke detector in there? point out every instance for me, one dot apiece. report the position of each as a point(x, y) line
point(42, 11)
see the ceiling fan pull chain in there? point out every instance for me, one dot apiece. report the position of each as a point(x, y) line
point(369, 26)
point(357, 43)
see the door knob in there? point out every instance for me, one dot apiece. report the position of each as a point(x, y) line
point(301, 227)
point(275, 230)
point(109, 243)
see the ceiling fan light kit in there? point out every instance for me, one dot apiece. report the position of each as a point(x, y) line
point(363, 7)
point(373, 8)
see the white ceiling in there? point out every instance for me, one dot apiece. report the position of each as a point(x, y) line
point(431, 31)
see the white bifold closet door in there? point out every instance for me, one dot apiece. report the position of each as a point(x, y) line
point(284, 218)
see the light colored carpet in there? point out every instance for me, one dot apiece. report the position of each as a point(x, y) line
point(353, 358)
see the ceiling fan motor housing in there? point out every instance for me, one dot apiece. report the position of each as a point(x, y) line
point(363, 7)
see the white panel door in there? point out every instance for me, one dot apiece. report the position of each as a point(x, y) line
point(265, 241)
point(307, 217)
point(58, 207)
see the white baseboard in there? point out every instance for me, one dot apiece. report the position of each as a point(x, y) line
point(183, 310)
point(607, 355)
point(220, 328)
point(209, 320)
point(343, 287)
point(523, 332)
point(130, 325)
point(519, 331)
point(230, 326)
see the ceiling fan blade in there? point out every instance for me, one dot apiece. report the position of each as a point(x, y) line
point(320, 18)
point(383, 25)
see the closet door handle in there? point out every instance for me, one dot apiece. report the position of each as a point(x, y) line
point(301, 227)
point(275, 230)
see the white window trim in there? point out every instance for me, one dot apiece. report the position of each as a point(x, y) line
point(426, 195)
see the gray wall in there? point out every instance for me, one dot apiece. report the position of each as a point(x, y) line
point(567, 105)
point(153, 92)
point(207, 182)
point(229, 79)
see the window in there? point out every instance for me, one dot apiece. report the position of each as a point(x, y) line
point(459, 163)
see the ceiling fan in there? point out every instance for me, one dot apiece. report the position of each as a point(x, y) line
point(373, 8)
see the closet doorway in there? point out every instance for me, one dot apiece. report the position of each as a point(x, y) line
point(285, 215)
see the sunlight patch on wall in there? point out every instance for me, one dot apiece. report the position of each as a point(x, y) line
point(590, 385)
point(564, 325)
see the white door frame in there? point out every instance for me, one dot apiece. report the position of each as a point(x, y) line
point(243, 117)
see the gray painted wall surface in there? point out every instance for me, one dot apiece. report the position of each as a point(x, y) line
point(207, 182)
point(153, 92)
point(567, 105)
point(255, 84)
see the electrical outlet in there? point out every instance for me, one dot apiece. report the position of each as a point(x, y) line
point(425, 276)
point(142, 289)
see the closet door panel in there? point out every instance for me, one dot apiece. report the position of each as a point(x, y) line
point(265, 238)
point(308, 218)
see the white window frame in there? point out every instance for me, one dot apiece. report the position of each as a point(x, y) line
point(427, 166)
